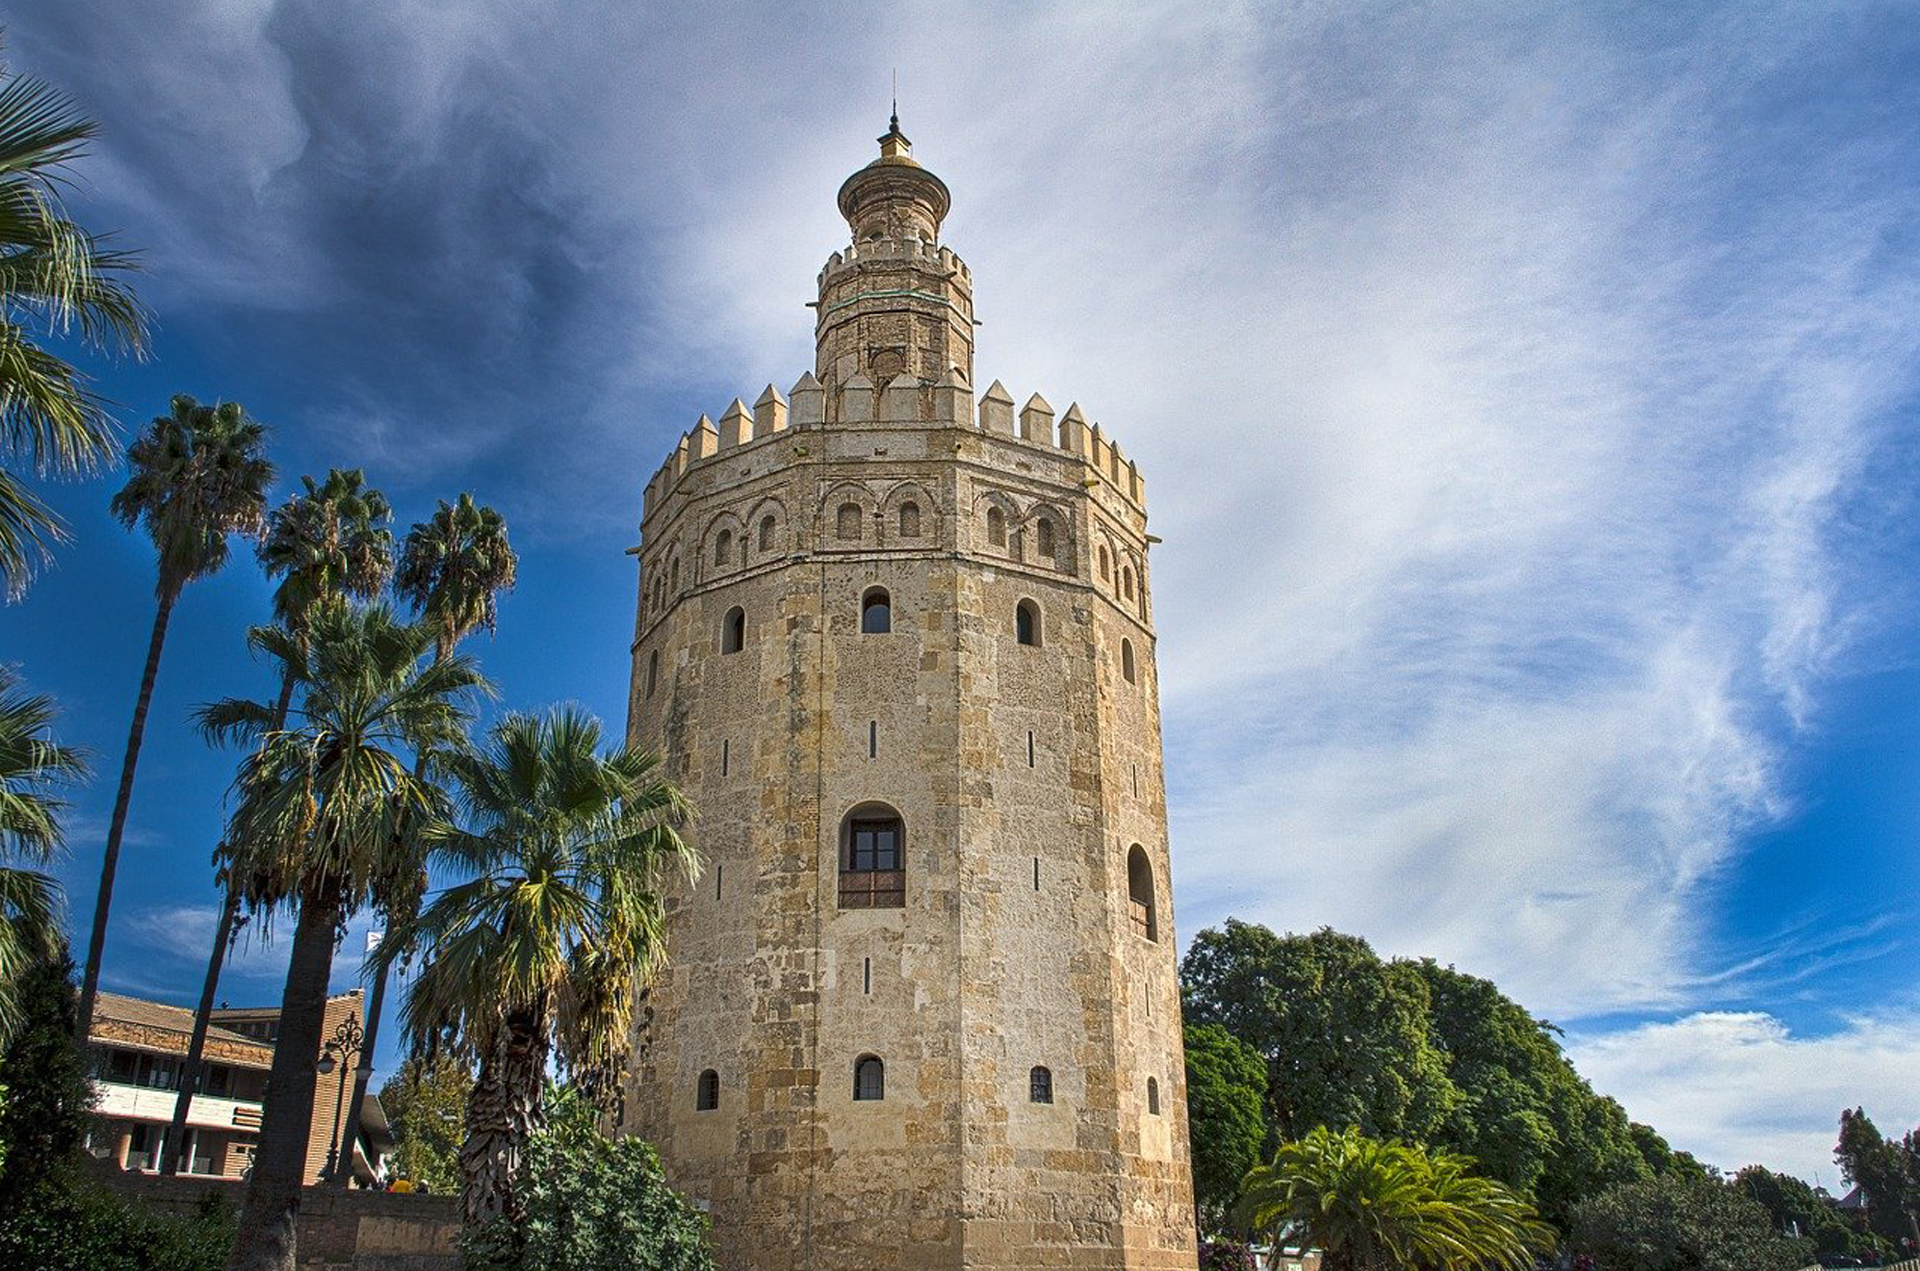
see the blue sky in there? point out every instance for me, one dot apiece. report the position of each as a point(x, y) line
point(1526, 396)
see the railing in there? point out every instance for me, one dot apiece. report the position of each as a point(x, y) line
point(873, 889)
point(146, 1103)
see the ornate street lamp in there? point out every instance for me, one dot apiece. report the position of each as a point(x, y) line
point(338, 1053)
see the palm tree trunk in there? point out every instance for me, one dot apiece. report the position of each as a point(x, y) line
point(267, 1214)
point(96, 945)
point(502, 1113)
point(176, 1140)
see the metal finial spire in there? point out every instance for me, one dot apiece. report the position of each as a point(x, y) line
point(894, 121)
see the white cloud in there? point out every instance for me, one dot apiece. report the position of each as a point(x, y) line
point(177, 939)
point(1737, 1088)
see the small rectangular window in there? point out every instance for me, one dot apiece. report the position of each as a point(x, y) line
point(1036, 873)
point(726, 752)
point(1029, 750)
point(873, 738)
point(875, 845)
point(719, 879)
point(866, 975)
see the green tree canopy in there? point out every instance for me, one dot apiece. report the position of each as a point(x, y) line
point(426, 1102)
point(1678, 1222)
point(1226, 1086)
point(1888, 1171)
point(1798, 1210)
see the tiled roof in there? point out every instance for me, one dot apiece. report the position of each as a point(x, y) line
point(175, 1019)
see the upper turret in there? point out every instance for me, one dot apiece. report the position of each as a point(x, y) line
point(894, 302)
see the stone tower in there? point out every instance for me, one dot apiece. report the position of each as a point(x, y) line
point(896, 644)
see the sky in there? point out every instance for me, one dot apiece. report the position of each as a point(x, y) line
point(1526, 396)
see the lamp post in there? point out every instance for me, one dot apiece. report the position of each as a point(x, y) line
point(338, 1053)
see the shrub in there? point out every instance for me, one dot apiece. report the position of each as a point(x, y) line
point(1226, 1255)
point(594, 1203)
point(65, 1222)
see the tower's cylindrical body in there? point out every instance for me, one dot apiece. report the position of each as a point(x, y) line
point(921, 1009)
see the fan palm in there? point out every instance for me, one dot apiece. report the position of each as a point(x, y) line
point(31, 765)
point(200, 476)
point(55, 279)
point(452, 569)
point(322, 822)
point(327, 543)
point(1382, 1205)
point(543, 951)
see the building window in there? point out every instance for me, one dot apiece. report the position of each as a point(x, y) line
point(722, 547)
point(733, 630)
point(909, 520)
point(1106, 565)
point(1126, 582)
point(873, 873)
point(876, 612)
point(1140, 893)
point(847, 521)
point(766, 533)
point(869, 1079)
point(1153, 1096)
point(1126, 660)
point(673, 576)
point(996, 527)
point(1043, 537)
point(1040, 1086)
point(706, 1096)
point(1026, 623)
point(653, 671)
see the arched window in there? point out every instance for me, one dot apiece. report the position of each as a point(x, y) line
point(1140, 893)
point(876, 612)
point(1043, 537)
point(1153, 1096)
point(847, 521)
point(909, 519)
point(1106, 565)
point(673, 571)
point(873, 859)
point(723, 547)
point(996, 527)
point(1126, 660)
point(766, 533)
point(653, 671)
point(869, 1079)
point(706, 1095)
point(733, 630)
point(1026, 623)
point(1040, 1086)
point(1126, 582)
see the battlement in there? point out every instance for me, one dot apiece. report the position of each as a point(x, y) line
point(886, 249)
point(905, 401)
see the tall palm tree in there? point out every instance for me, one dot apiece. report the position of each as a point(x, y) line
point(31, 765)
point(327, 543)
point(321, 823)
point(543, 951)
point(56, 280)
point(452, 569)
point(200, 476)
point(1382, 1205)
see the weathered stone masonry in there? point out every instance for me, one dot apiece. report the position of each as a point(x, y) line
point(1023, 775)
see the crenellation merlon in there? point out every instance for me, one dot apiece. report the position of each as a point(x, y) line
point(894, 251)
point(904, 401)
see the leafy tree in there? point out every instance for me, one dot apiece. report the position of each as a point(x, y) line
point(324, 819)
point(1226, 1079)
point(68, 1222)
point(200, 476)
point(44, 1115)
point(1882, 1169)
point(452, 569)
point(56, 280)
point(1676, 1222)
point(1381, 1205)
point(592, 1203)
point(326, 544)
point(426, 1101)
point(32, 765)
point(543, 951)
point(1798, 1210)
point(1344, 1034)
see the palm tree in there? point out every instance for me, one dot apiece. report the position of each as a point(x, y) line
point(327, 543)
point(200, 476)
point(31, 764)
point(322, 822)
point(55, 279)
point(1382, 1205)
point(452, 569)
point(543, 951)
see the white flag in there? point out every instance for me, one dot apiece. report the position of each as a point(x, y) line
point(373, 939)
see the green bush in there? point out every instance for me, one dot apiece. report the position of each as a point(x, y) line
point(594, 1203)
point(69, 1223)
point(1226, 1255)
point(1676, 1223)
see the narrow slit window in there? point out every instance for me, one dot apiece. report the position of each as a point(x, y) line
point(707, 1097)
point(869, 1079)
point(1036, 873)
point(1029, 748)
point(653, 671)
point(1153, 1096)
point(866, 975)
point(1126, 582)
point(719, 879)
point(1106, 565)
point(726, 755)
point(873, 738)
point(876, 612)
point(1126, 660)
